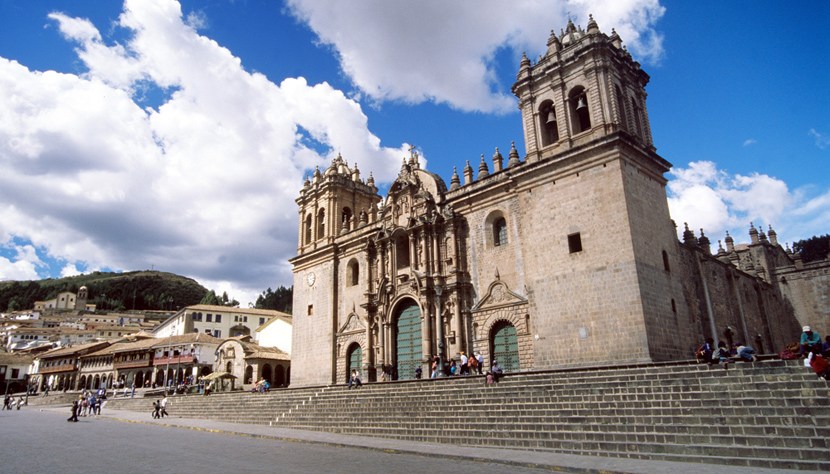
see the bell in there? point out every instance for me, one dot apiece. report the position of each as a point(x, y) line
point(551, 117)
point(580, 103)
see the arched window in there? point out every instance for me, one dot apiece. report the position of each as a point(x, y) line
point(402, 252)
point(352, 273)
point(548, 123)
point(321, 224)
point(499, 232)
point(580, 109)
point(618, 98)
point(308, 229)
point(635, 111)
point(666, 266)
point(346, 219)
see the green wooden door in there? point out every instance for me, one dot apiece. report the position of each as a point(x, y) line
point(355, 361)
point(408, 341)
point(506, 347)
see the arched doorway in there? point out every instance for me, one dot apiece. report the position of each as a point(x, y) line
point(279, 376)
point(83, 382)
point(266, 373)
point(408, 341)
point(139, 379)
point(249, 374)
point(160, 377)
point(229, 367)
point(505, 346)
point(354, 360)
point(205, 371)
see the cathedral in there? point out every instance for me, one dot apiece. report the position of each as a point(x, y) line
point(562, 256)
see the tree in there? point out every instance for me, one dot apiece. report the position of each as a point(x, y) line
point(280, 300)
point(814, 248)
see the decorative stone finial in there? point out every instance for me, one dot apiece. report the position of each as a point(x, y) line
point(483, 172)
point(497, 161)
point(688, 235)
point(455, 181)
point(468, 173)
point(513, 158)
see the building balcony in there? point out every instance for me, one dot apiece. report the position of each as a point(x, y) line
point(182, 359)
point(57, 368)
point(132, 364)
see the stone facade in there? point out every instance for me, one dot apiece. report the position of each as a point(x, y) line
point(564, 257)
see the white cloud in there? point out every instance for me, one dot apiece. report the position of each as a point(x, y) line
point(750, 142)
point(822, 140)
point(712, 199)
point(203, 185)
point(22, 266)
point(443, 51)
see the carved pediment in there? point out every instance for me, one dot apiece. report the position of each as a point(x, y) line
point(354, 324)
point(499, 294)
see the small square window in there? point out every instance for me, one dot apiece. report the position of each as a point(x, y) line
point(261, 321)
point(217, 333)
point(208, 318)
point(218, 318)
point(575, 243)
point(311, 310)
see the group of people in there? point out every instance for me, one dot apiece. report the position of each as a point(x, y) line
point(9, 402)
point(464, 366)
point(262, 386)
point(722, 353)
point(160, 408)
point(89, 403)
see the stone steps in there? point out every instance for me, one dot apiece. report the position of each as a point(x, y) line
point(766, 414)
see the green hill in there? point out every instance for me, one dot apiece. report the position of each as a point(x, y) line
point(142, 290)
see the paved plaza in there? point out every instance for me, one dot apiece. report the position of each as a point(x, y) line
point(39, 439)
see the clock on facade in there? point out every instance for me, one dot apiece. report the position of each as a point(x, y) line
point(310, 278)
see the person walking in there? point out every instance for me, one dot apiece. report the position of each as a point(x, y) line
point(156, 408)
point(76, 405)
point(7, 402)
point(480, 359)
point(163, 407)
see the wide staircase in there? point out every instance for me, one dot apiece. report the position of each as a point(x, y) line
point(773, 414)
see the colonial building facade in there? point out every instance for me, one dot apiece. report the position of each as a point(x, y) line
point(565, 256)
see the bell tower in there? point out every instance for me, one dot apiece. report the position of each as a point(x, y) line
point(584, 87)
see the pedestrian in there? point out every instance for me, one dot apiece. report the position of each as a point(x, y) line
point(355, 379)
point(132, 390)
point(496, 370)
point(163, 407)
point(704, 352)
point(746, 352)
point(473, 364)
point(434, 369)
point(156, 408)
point(810, 341)
point(464, 369)
point(46, 391)
point(7, 402)
point(480, 359)
point(76, 405)
point(20, 402)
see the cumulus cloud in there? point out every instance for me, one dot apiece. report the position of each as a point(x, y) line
point(706, 197)
point(750, 142)
point(203, 185)
point(22, 265)
point(444, 51)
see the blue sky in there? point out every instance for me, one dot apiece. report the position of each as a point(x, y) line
point(175, 136)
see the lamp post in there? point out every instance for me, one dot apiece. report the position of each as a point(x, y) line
point(439, 330)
